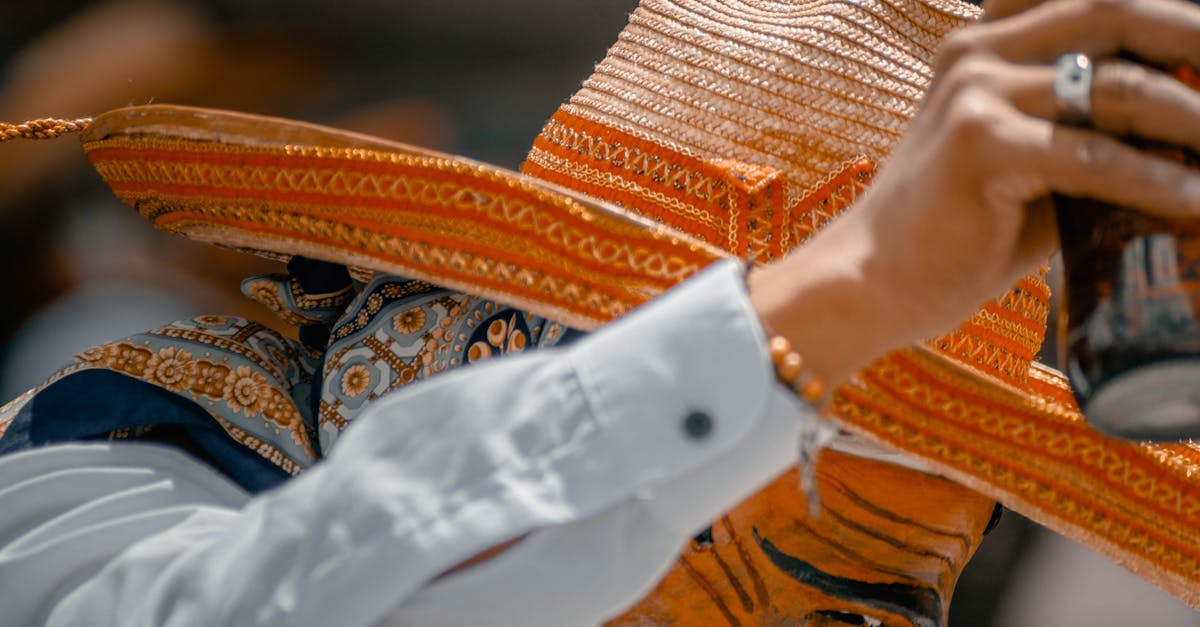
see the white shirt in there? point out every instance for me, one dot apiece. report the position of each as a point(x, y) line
point(588, 449)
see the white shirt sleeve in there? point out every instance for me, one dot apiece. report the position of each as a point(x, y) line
point(605, 456)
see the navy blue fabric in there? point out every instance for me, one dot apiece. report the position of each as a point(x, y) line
point(318, 277)
point(570, 336)
point(90, 404)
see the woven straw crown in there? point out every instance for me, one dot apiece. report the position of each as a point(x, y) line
point(800, 87)
point(701, 100)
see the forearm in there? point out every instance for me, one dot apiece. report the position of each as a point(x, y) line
point(557, 441)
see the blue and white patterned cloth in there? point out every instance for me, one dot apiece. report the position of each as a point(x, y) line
point(256, 404)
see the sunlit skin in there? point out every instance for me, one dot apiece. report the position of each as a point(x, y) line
point(911, 261)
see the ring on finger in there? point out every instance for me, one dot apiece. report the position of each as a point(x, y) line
point(1073, 73)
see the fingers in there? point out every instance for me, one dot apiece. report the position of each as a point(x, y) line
point(1163, 32)
point(1085, 163)
point(1010, 61)
point(1128, 99)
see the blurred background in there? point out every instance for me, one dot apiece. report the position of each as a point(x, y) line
point(473, 77)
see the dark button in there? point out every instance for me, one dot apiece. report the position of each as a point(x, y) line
point(698, 424)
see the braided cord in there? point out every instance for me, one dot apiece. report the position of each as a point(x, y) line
point(46, 128)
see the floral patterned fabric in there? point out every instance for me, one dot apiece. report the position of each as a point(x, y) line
point(399, 330)
point(272, 398)
point(251, 386)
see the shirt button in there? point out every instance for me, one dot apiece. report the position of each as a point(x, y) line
point(698, 425)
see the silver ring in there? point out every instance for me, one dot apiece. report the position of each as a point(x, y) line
point(1073, 89)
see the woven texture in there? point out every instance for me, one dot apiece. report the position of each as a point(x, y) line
point(799, 87)
point(46, 128)
point(283, 188)
point(786, 97)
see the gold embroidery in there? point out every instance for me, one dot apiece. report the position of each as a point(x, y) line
point(1012, 447)
point(593, 269)
point(660, 171)
point(243, 389)
point(601, 179)
point(232, 345)
point(462, 269)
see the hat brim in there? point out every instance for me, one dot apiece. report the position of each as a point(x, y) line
point(280, 188)
point(1137, 503)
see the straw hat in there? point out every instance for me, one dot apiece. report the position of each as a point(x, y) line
point(712, 128)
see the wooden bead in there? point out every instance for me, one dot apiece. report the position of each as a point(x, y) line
point(813, 390)
point(790, 370)
point(778, 347)
point(790, 367)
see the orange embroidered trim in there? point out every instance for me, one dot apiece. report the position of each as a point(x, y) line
point(825, 200)
point(987, 350)
point(1051, 385)
point(737, 206)
point(1024, 335)
point(460, 225)
point(655, 181)
point(621, 191)
point(1010, 447)
point(1003, 338)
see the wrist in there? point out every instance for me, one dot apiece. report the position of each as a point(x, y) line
point(829, 299)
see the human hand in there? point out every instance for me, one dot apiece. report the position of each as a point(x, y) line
point(961, 209)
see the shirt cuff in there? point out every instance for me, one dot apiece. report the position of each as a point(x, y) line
point(687, 396)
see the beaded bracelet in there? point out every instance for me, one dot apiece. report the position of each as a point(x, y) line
point(791, 371)
point(815, 434)
point(790, 368)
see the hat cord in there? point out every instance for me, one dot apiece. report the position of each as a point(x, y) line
point(45, 128)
